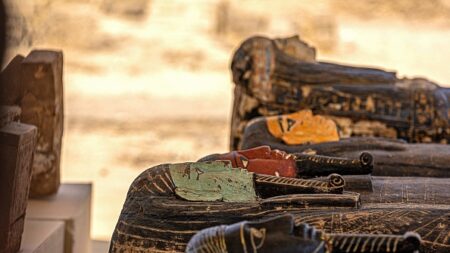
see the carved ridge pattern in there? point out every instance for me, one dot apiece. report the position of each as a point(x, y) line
point(291, 181)
point(370, 221)
point(364, 243)
point(335, 182)
point(156, 181)
point(210, 240)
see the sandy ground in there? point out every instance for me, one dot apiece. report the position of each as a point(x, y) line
point(156, 89)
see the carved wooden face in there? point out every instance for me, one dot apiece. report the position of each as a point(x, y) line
point(271, 235)
point(279, 234)
point(302, 127)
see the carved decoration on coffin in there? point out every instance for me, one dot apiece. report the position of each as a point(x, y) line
point(155, 219)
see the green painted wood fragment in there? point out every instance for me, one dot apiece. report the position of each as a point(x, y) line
point(212, 181)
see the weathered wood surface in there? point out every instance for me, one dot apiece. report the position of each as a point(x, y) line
point(391, 157)
point(153, 219)
point(317, 165)
point(364, 101)
point(8, 114)
point(11, 87)
point(35, 85)
point(280, 234)
point(17, 145)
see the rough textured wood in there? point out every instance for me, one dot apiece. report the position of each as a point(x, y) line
point(39, 93)
point(391, 157)
point(155, 220)
point(11, 88)
point(8, 114)
point(317, 165)
point(17, 144)
point(363, 101)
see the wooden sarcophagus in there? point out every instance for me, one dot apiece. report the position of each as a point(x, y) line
point(391, 157)
point(168, 204)
point(282, 76)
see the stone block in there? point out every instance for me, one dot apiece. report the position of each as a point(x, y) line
point(43, 237)
point(71, 205)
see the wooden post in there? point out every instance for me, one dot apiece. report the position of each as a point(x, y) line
point(17, 144)
point(35, 84)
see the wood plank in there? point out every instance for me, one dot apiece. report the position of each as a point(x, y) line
point(17, 144)
point(9, 114)
point(42, 106)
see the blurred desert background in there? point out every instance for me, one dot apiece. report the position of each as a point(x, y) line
point(148, 81)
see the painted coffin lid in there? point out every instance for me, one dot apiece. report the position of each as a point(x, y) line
point(261, 160)
point(212, 181)
point(302, 127)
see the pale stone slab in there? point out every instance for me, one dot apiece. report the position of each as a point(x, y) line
point(42, 236)
point(72, 205)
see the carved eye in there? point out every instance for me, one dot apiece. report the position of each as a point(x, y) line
point(244, 162)
point(258, 233)
point(257, 237)
point(290, 123)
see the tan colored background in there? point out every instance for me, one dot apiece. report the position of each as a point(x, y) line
point(148, 82)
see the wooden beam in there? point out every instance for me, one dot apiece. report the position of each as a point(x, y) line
point(17, 145)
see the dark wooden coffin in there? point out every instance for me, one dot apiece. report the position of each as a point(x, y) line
point(279, 76)
point(390, 157)
point(155, 219)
